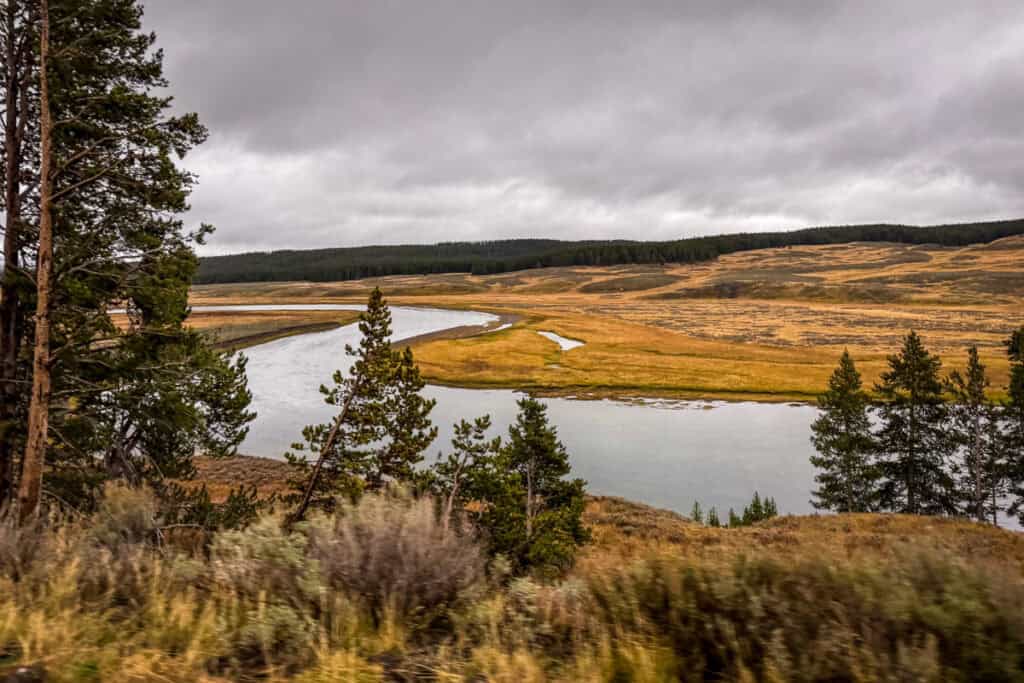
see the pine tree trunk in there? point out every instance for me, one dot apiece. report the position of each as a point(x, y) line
point(911, 462)
point(449, 504)
point(10, 306)
point(529, 502)
point(31, 484)
point(307, 497)
point(995, 506)
point(979, 486)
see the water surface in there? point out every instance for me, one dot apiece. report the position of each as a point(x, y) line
point(564, 343)
point(663, 453)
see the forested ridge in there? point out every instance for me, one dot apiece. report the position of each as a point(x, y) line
point(500, 256)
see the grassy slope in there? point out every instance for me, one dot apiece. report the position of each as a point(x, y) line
point(624, 530)
point(763, 325)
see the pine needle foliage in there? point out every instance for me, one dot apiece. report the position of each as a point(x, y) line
point(913, 446)
point(847, 478)
point(975, 431)
point(531, 513)
point(382, 426)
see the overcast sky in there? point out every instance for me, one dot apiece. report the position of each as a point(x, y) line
point(338, 123)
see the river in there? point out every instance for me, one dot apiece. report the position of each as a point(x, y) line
point(665, 454)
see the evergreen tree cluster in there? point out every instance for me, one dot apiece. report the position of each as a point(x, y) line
point(757, 511)
point(92, 308)
point(501, 256)
point(925, 443)
point(516, 492)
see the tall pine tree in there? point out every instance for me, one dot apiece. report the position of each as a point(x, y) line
point(382, 425)
point(847, 477)
point(118, 243)
point(18, 40)
point(974, 431)
point(30, 486)
point(914, 448)
point(1013, 439)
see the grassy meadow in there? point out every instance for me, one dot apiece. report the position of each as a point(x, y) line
point(765, 325)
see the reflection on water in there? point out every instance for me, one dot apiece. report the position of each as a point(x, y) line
point(664, 454)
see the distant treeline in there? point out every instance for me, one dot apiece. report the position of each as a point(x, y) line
point(501, 256)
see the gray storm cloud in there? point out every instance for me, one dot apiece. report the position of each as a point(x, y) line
point(341, 123)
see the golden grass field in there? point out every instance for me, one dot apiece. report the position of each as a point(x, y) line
point(764, 325)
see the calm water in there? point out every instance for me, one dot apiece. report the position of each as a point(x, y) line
point(662, 453)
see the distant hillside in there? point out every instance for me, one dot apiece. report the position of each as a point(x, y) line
point(499, 256)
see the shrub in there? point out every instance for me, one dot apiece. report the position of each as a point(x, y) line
point(920, 617)
point(275, 587)
point(392, 552)
point(20, 546)
point(125, 516)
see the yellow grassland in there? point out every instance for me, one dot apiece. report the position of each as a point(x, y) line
point(765, 325)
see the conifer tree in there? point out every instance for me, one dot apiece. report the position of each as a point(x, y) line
point(753, 512)
point(975, 431)
point(696, 514)
point(847, 478)
point(30, 486)
point(713, 520)
point(734, 520)
point(115, 197)
point(532, 514)
point(408, 428)
point(457, 476)
point(359, 395)
point(18, 40)
point(382, 425)
point(914, 448)
point(1013, 439)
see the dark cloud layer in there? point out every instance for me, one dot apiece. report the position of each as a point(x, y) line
point(339, 123)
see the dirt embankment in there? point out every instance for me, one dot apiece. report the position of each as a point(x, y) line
point(462, 331)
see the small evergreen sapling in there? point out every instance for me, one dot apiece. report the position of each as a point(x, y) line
point(696, 514)
point(457, 477)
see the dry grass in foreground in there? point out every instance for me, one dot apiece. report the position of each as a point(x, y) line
point(382, 592)
point(764, 325)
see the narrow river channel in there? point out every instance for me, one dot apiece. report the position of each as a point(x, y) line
point(665, 454)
